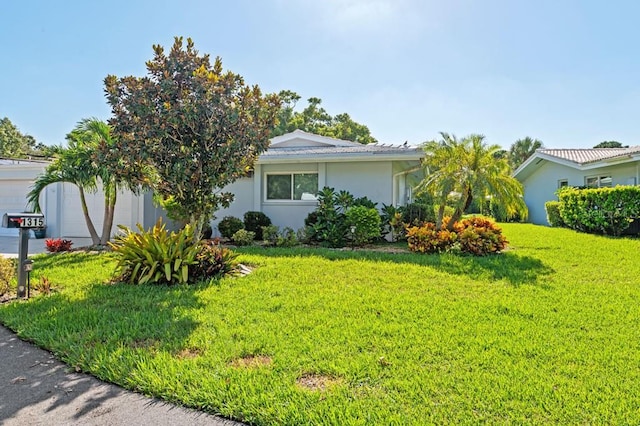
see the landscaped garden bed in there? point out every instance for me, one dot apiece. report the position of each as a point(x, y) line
point(545, 332)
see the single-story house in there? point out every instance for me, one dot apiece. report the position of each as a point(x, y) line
point(547, 170)
point(283, 184)
point(60, 202)
point(287, 177)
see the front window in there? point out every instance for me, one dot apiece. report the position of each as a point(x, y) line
point(562, 183)
point(599, 182)
point(292, 186)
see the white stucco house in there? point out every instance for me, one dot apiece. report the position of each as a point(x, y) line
point(549, 169)
point(283, 185)
point(287, 177)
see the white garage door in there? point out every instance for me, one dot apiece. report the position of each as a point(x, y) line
point(73, 223)
point(13, 198)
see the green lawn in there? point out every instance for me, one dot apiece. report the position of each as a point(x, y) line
point(547, 332)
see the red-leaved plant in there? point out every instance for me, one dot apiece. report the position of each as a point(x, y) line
point(56, 245)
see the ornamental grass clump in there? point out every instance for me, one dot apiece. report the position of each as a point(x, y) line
point(478, 236)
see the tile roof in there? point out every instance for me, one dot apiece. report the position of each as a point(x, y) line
point(591, 155)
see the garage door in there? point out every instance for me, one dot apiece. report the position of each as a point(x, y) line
point(13, 198)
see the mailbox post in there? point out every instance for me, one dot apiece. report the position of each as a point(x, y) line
point(25, 222)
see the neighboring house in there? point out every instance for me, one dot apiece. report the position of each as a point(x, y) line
point(287, 177)
point(549, 169)
point(60, 202)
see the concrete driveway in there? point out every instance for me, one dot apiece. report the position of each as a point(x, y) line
point(9, 245)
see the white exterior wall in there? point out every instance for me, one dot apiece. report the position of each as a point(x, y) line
point(371, 179)
point(541, 186)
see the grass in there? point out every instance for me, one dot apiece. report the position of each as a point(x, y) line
point(544, 333)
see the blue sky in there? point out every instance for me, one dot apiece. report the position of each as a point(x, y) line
point(566, 72)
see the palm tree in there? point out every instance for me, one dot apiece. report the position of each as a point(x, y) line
point(90, 160)
point(468, 167)
point(522, 149)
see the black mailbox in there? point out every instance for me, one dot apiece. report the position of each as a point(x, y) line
point(23, 220)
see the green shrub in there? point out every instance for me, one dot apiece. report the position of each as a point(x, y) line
point(7, 273)
point(600, 210)
point(254, 221)
point(327, 225)
point(478, 236)
point(155, 256)
point(270, 234)
point(416, 214)
point(364, 224)
point(391, 222)
point(243, 237)
point(287, 238)
point(553, 213)
point(364, 202)
point(229, 225)
point(214, 262)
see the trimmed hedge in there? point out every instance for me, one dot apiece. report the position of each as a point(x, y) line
point(607, 211)
point(553, 213)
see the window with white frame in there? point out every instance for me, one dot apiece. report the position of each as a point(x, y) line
point(598, 181)
point(292, 186)
point(562, 183)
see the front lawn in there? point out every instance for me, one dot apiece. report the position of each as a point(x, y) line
point(547, 332)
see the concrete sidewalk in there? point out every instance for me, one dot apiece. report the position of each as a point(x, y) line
point(37, 389)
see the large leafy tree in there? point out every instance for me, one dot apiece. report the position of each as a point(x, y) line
point(464, 169)
point(91, 161)
point(522, 149)
point(315, 119)
point(199, 127)
point(15, 144)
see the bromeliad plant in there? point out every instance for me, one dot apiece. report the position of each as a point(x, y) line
point(156, 256)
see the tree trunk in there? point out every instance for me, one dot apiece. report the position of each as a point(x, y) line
point(85, 210)
point(462, 207)
point(110, 197)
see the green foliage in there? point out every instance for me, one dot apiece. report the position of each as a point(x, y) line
point(243, 237)
point(156, 256)
point(478, 236)
point(607, 211)
point(7, 274)
point(365, 224)
point(200, 128)
point(416, 214)
point(229, 225)
point(522, 149)
point(91, 160)
point(214, 262)
point(315, 119)
point(272, 236)
point(610, 144)
point(391, 222)
point(470, 169)
point(14, 144)
point(327, 224)
point(553, 213)
point(254, 221)
point(364, 202)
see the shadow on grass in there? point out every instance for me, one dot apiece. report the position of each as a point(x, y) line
point(513, 268)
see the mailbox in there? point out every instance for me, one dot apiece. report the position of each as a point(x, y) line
point(23, 220)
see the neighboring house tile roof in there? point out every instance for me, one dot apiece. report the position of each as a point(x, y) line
point(591, 155)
